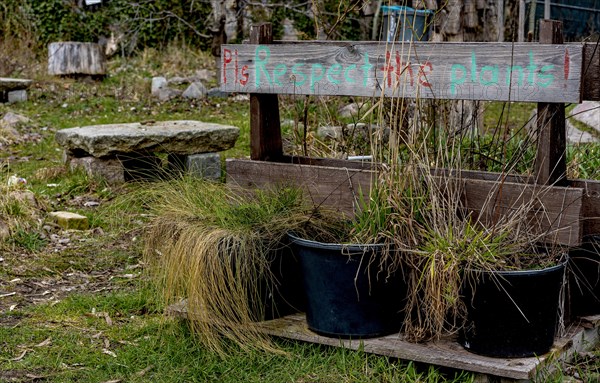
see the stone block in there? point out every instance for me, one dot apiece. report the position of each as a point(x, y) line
point(70, 221)
point(110, 169)
point(205, 165)
point(17, 96)
point(177, 137)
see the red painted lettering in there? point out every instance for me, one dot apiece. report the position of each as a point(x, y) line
point(226, 60)
point(245, 75)
point(423, 73)
point(402, 67)
point(388, 69)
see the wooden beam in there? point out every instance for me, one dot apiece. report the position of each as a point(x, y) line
point(265, 130)
point(591, 71)
point(550, 162)
point(337, 188)
point(590, 206)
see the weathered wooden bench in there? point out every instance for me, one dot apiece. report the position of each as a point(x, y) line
point(549, 74)
point(13, 89)
point(119, 152)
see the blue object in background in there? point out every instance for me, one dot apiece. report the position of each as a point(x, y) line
point(404, 23)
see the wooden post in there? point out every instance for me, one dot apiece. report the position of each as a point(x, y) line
point(521, 31)
point(73, 58)
point(265, 132)
point(550, 162)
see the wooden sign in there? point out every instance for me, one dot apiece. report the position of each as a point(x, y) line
point(466, 71)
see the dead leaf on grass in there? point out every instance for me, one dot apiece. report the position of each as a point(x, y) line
point(8, 295)
point(107, 319)
point(113, 381)
point(145, 370)
point(45, 343)
point(108, 352)
point(20, 357)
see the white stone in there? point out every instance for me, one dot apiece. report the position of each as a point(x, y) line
point(17, 96)
point(158, 83)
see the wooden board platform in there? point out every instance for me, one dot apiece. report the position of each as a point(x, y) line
point(580, 337)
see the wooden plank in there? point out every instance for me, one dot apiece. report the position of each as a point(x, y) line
point(555, 214)
point(590, 205)
point(333, 187)
point(473, 71)
point(265, 131)
point(558, 209)
point(591, 71)
point(550, 165)
point(445, 352)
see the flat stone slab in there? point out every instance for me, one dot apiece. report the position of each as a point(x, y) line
point(10, 84)
point(173, 137)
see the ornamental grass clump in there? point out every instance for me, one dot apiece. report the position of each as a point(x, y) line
point(213, 245)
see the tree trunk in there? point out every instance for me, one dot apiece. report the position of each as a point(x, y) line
point(72, 58)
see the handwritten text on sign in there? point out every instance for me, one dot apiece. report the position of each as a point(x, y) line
point(476, 71)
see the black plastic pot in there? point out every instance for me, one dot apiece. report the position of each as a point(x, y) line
point(281, 294)
point(511, 314)
point(347, 295)
point(584, 278)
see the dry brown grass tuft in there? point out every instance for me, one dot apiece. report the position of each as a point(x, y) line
point(213, 245)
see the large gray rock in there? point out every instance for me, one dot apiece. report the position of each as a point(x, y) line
point(175, 137)
point(588, 112)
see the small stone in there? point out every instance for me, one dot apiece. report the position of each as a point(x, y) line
point(13, 119)
point(196, 90)
point(348, 111)
point(17, 96)
point(241, 97)
point(166, 94)
point(330, 132)
point(70, 221)
point(158, 83)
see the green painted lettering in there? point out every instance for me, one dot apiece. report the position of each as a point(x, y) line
point(334, 70)
point(314, 77)
point(349, 80)
point(549, 78)
point(260, 64)
point(493, 78)
point(532, 68)
point(300, 78)
point(279, 71)
point(520, 75)
point(473, 67)
point(366, 67)
point(454, 79)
